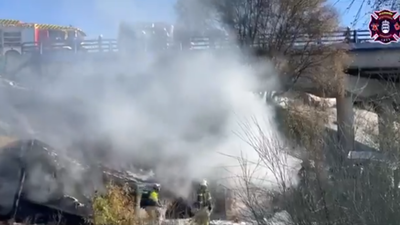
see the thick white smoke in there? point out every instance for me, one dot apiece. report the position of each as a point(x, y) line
point(179, 113)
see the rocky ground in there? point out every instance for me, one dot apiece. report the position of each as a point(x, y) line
point(280, 218)
point(365, 121)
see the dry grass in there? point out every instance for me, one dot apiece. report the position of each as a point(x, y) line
point(117, 206)
point(304, 123)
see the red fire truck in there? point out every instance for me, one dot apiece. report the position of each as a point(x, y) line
point(14, 35)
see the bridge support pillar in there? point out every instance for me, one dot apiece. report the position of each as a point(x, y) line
point(385, 112)
point(345, 123)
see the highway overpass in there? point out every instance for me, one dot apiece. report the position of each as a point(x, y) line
point(365, 54)
point(370, 66)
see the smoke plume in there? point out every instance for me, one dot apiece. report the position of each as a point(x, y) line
point(180, 114)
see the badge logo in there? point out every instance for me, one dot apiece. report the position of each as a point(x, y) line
point(384, 26)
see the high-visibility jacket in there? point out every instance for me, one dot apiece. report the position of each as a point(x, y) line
point(153, 197)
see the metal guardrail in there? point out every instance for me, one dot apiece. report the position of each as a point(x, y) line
point(111, 45)
point(343, 36)
point(360, 36)
point(97, 45)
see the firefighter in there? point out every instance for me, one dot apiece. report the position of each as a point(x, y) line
point(154, 207)
point(203, 205)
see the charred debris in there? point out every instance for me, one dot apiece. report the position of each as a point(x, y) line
point(39, 185)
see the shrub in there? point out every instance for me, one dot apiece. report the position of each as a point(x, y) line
point(116, 206)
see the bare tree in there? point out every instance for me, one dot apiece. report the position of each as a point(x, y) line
point(283, 31)
point(277, 191)
point(332, 190)
point(372, 6)
point(361, 190)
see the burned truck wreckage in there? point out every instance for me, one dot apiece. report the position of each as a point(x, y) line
point(38, 185)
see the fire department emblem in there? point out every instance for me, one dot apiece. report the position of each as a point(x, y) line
point(385, 26)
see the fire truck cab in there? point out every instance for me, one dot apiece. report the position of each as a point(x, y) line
point(15, 35)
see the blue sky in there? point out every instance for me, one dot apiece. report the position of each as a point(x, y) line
point(102, 16)
point(350, 12)
point(93, 16)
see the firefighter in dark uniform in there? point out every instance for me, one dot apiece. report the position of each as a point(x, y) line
point(203, 205)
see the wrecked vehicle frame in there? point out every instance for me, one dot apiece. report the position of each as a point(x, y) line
point(38, 191)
